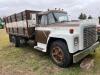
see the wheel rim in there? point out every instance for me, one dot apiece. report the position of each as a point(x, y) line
point(57, 54)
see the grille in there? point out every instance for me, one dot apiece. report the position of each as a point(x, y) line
point(89, 36)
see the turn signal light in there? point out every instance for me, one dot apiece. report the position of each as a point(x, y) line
point(71, 31)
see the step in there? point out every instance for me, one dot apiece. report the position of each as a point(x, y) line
point(40, 47)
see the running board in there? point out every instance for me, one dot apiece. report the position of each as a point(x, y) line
point(40, 47)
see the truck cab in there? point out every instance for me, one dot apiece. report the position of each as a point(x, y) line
point(56, 34)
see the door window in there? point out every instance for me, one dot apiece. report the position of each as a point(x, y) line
point(43, 20)
point(51, 19)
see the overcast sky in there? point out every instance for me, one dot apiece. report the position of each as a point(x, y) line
point(73, 7)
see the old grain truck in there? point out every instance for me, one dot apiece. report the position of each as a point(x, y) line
point(67, 42)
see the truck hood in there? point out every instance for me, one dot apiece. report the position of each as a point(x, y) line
point(65, 24)
point(76, 23)
point(76, 26)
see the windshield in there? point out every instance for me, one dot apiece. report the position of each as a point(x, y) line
point(61, 17)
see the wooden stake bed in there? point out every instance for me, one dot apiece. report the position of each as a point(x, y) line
point(21, 24)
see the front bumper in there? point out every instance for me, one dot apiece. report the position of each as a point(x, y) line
point(80, 55)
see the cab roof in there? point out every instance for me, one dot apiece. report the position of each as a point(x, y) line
point(47, 12)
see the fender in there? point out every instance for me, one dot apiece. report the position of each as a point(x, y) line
point(69, 38)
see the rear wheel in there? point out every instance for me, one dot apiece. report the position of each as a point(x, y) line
point(59, 54)
point(16, 41)
point(20, 41)
point(10, 38)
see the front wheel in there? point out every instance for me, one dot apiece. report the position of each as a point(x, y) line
point(60, 54)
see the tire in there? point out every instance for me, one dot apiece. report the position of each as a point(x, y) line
point(20, 42)
point(64, 58)
point(10, 38)
point(16, 41)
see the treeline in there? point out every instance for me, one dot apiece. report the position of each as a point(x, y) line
point(83, 16)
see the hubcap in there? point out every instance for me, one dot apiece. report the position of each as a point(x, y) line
point(57, 54)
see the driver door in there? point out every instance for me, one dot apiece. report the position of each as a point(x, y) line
point(41, 32)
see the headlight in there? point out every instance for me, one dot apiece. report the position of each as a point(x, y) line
point(76, 41)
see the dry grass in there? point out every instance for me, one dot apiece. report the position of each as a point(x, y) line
point(27, 61)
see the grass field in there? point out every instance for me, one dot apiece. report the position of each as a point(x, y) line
point(27, 61)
